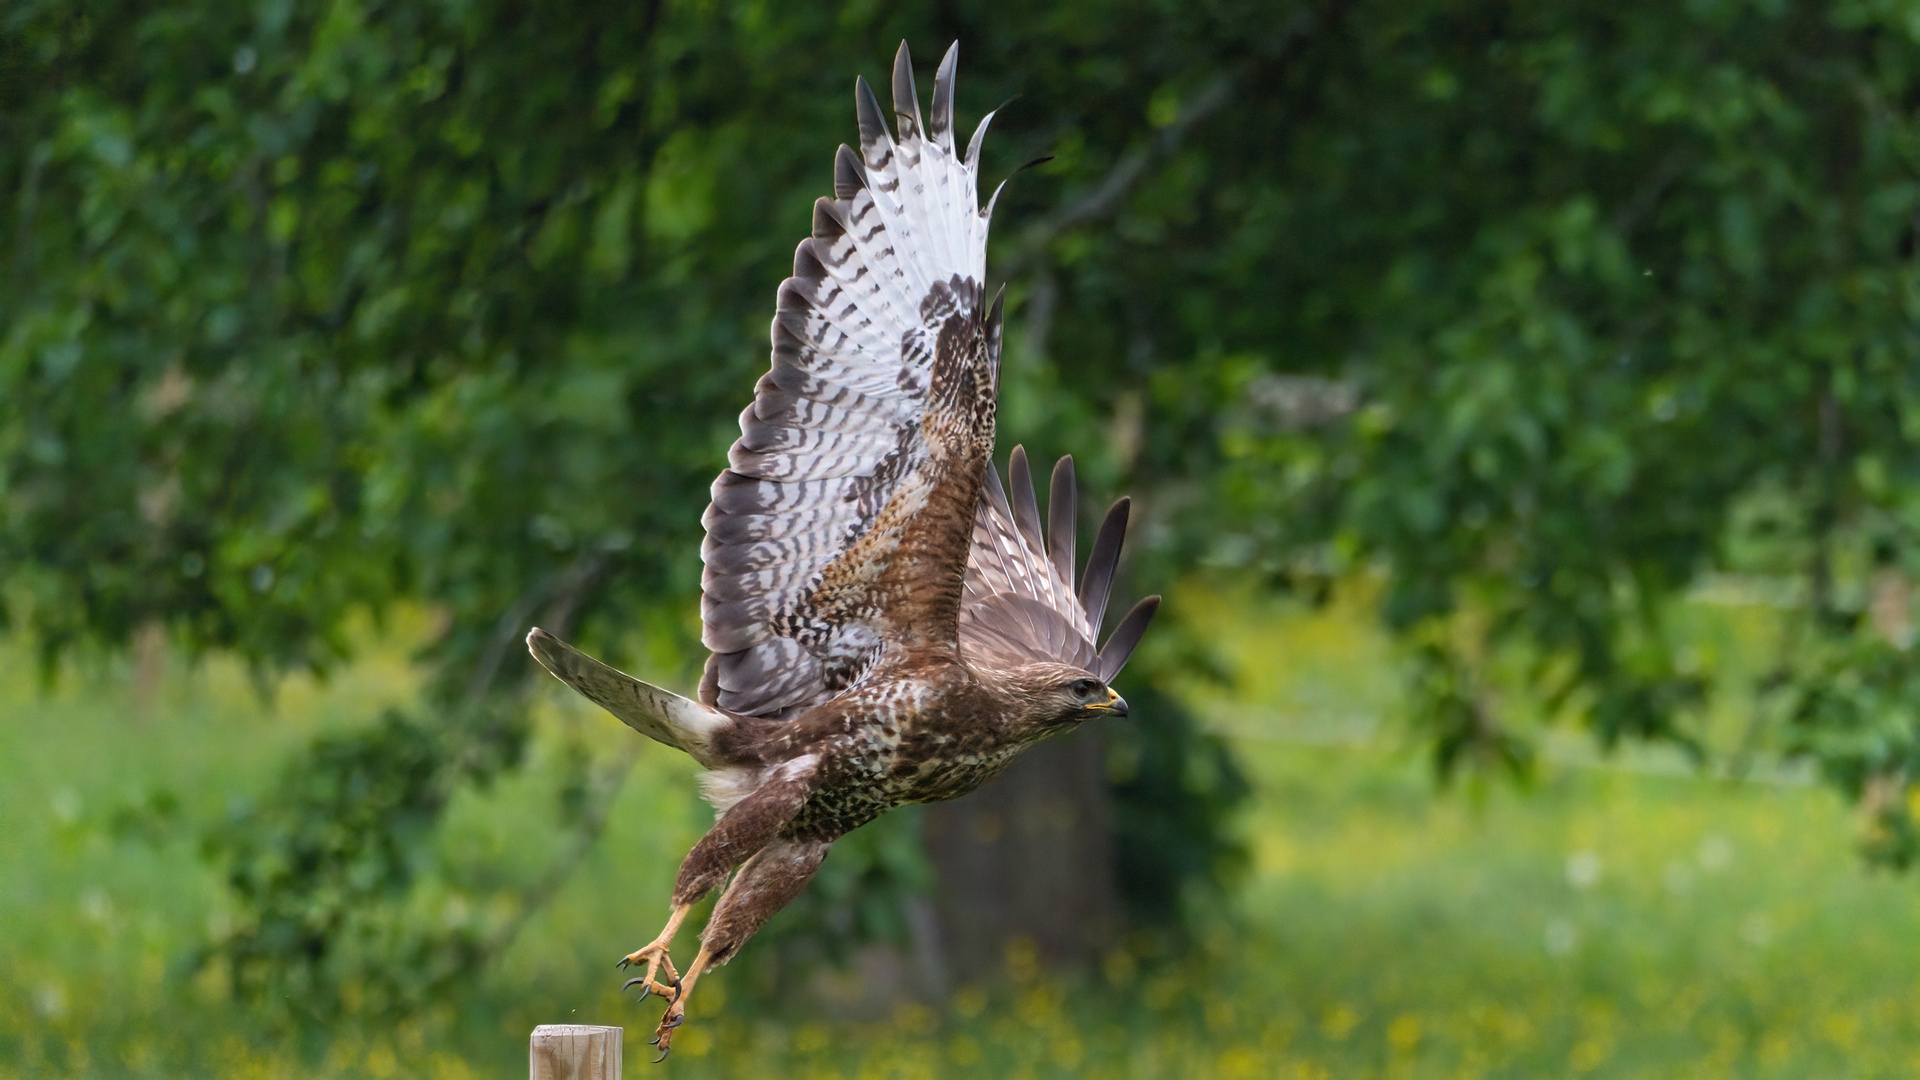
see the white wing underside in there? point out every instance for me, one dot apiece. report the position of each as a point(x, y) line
point(834, 432)
point(834, 436)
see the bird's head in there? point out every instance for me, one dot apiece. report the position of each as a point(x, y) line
point(1060, 694)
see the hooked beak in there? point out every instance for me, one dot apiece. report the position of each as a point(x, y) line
point(1116, 704)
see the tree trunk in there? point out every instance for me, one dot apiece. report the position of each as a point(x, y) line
point(1028, 857)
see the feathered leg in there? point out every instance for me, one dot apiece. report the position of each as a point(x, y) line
point(740, 833)
point(768, 882)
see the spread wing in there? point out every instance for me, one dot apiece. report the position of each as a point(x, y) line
point(1020, 605)
point(843, 522)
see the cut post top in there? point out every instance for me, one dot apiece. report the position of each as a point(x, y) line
point(574, 1052)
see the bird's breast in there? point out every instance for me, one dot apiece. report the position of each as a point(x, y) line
point(905, 749)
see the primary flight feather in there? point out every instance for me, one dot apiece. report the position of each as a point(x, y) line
point(888, 622)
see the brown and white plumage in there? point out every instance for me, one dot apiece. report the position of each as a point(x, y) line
point(1021, 605)
point(859, 428)
point(888, 622)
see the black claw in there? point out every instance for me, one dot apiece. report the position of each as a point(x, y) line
point(664, 1051)
point(645, 984)
point(622, 962)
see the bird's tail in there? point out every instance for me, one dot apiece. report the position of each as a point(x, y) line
point(658, 714)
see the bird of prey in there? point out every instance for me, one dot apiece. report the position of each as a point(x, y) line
point(888, 622)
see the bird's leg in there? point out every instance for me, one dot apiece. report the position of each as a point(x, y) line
point(768, 882)
point(654, 954)
point(743, 830)
point(677, 1010)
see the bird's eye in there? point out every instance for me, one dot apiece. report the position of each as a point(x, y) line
point(1085, 689)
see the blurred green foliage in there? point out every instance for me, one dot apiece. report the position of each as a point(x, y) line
point(1621, 918)
point(337, 841)
point(1545, 314)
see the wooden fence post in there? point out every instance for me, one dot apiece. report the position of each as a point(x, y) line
point(574, 1052)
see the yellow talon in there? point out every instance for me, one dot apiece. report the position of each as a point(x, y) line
point(654, 955)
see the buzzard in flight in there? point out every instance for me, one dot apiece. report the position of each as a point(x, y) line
point(888, 622)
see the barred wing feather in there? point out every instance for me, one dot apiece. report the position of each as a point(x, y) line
point(878, 411)
point(1019, 603)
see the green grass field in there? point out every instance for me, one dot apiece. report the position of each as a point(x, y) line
point(1616, 919)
